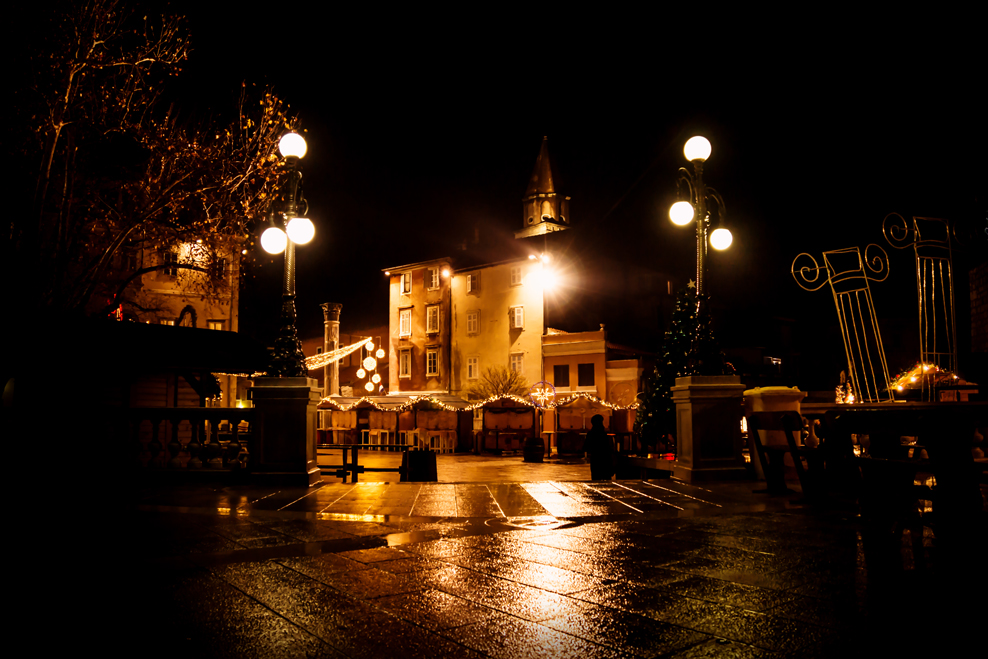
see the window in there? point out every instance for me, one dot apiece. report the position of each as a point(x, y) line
point(516, 276)
point(405, 322)
point(433, 278)
point(218, 325)
point(406, 283)
point(432, 361)
point(405, 363)
point(560, 375)
point(473, 322)
point(473, 282)
point(584, 375)
point(432, 319)
point(166, 322)
point(473, 368)
point(517, 315)
point(517, 362)
point(219, 268)
point(169, 258)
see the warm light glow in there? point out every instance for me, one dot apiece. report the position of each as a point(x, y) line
point(369, 386)
point(292, 145)
point(301, 230)
point(361, 373)
point(380, 353)
point(681, 213)
point(370, 346)
point(370, 364)
point(446, 273)
point(697, 148)
point(721, 239)
point(387, 274)
point(274, 240)
point(376, 378)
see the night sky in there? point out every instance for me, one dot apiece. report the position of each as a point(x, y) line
point(423, 123)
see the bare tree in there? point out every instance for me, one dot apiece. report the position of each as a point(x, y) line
point(498, 381)
point(118, 172)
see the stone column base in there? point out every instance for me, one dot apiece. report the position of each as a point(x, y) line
point(708, 428)
point(284, 439)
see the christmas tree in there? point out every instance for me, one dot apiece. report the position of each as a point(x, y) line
point(689, 349)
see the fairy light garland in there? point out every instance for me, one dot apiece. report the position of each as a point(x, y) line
point(401, 407)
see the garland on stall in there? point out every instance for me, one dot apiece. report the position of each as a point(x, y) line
point(401, 407)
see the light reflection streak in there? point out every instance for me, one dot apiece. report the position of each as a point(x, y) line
point(351, 517)
point(650, 497)
point(299, 499)
point(683, 494)
point(612, 498)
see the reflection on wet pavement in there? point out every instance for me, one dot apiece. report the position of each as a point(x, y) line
point(541, 569)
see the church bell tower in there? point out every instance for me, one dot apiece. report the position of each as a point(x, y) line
point(545, 210)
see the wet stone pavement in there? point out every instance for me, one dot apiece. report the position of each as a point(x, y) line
point(531, 569)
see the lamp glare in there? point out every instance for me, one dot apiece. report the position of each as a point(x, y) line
point(681, 213)
point(380, 353)
point(301, 230)
point(292, 145)
point(697, 148)
point(274, 240)
point(721, 239)
point(369, 387)
point(361, 373)
point(376, 378)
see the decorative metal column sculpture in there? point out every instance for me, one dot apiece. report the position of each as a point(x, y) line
point(848, 278)
point(930, 239)
point(289, 210)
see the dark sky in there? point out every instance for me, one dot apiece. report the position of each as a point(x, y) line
point(422, 123)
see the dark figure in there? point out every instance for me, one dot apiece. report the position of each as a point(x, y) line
point(600, 450)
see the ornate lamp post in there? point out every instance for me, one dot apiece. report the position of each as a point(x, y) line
point(697, 150)
point(708, 402)
point(288, 360)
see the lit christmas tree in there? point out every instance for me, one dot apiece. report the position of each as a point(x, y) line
point(689, 349)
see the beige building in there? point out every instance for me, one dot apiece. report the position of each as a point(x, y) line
point(584, 362)
point(175, 295)
point(497, 317)
point(419, 328)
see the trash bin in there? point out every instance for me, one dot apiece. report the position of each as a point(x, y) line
point(534, 449)
point(772, 399)
point(418, 467)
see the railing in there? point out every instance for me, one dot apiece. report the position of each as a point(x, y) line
point(190, 438)
point(352, 466)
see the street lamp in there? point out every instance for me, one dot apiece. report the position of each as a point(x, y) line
point(697, 150)
point(289, 211)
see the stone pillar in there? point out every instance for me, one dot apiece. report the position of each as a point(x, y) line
point(708, 428)
point(284, 433)
point(331, 341)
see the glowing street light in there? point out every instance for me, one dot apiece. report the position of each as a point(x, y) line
point(697, 150)
point(289, 227)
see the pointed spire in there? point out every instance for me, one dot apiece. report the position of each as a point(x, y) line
point(543, 180)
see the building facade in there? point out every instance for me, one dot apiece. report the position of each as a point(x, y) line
point(497, 321)
point(419, 328)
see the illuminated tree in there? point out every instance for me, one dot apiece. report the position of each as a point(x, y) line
point(498, 381)
point(120, 178)
point(689, 349)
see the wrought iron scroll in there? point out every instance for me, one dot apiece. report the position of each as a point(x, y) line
point(930, 239)
point(848, 275)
